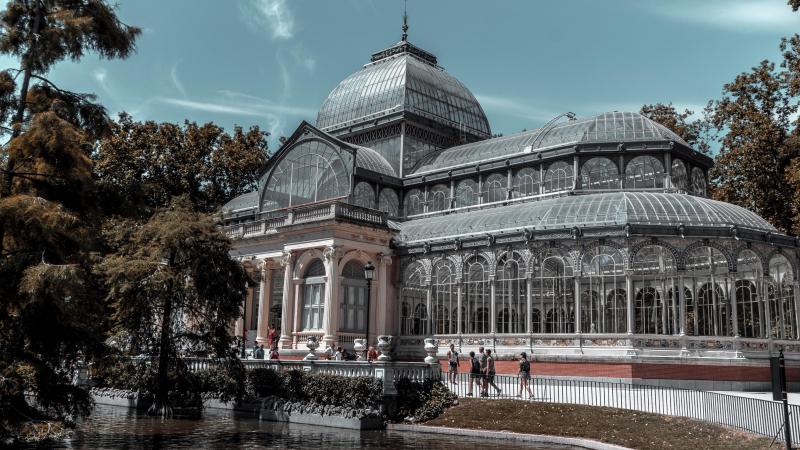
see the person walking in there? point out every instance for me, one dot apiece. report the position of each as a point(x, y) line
point(490, 372)
point(452, 358)
point(259, 352)
point(255, 349)
point(271, 336)
point(482, 360)
point(474, 373)
point(524, 375)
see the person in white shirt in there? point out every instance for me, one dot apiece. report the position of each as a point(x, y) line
point(338, 356)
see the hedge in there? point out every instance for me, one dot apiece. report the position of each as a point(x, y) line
point(302, 386)
point(421, 401)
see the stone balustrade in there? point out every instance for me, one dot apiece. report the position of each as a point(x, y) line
point(306, 214)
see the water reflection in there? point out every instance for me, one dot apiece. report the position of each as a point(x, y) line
point(121, 428)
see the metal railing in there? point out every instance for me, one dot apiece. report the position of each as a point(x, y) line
point(758, 416)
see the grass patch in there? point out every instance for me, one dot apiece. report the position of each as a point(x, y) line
point(632, 429)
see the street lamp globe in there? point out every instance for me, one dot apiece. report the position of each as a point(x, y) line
point(369, 271)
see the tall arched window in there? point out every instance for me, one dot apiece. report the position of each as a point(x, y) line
point(495, 187)
point(415, 202)
point(603, 278)
point(559, 177)
point(644, 172)
point(313, 296)
point(388, 202)
point(478, 294)
point(413, 298)
point(511, 295)
point(698, 182)
point(439, 198)
point(783, 316)
point(553, 293)
point(364, 195)
point(467, 193)
point(311, 172)
point(526, 182)
point(656, 309)
point(599, 173)
point(749, 307)
point(445, 297)
point(680, 178)
point(353, 305)
point(708, 275)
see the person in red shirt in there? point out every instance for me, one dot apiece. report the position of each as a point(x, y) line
point(271, 336)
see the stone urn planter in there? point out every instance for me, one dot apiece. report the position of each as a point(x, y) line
point(359, 347)
point(384, 346)
point(431, 348)
point(312, 345)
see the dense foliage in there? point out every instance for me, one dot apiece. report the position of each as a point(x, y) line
point(694, 132)
point(422, 401)
point(298, 385)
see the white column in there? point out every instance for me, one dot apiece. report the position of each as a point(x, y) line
point(529, 300)
point(459, 302)
point(297, 284)
point(492, 306)
point(329, 325)
point(578, 304)
point(429, 306)
point(796, 295)
point(287, 303)
point(734, 312)
point(682, 304)
point(629, 294)
point(263, 302)
point(382, 284)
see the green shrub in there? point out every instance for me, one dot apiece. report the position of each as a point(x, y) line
point(422, 401)
point(298, 385)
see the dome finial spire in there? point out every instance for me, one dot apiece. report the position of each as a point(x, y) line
point(405, 21)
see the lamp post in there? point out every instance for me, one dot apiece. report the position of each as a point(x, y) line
point(369, 273)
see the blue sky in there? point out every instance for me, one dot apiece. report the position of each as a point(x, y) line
point(272, 62)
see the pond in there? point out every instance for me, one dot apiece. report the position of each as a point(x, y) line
point(112, 427)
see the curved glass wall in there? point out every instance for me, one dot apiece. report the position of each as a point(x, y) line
point(644, 172)
point(413, 302)
point(526, 182)
point(388, 202)
point(559, 177)
point(603, 301)
point(680, 178)
point(467, 193)
point(495, 187)
point(445, 297)
point(511, 295)
point(364, 195)
point(311, 172)
point(599, 173)
point(439, 198)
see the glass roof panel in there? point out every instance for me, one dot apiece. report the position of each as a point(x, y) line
point(595, 210)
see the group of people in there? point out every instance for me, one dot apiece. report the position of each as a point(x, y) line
point(341, 354)
point(259, 352)
point(482, 371)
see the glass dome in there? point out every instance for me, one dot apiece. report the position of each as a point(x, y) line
point(403, 78)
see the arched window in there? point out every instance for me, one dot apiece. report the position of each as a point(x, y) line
point(353, 305)
point(749, 307)
point(388, 202)
point(707, 270)
point(445, 298)
point(466, 193)
point(439, 197)
point(656, 310)
point(680, 178)
point(478, 294)
point(526, 182)
point(603, 274)
point(644, 172)
point(783, 318)
point(364, 195)
point(511, 295)
point(413, 312)
point(495, 187)
point(415, 202)
point(313, 296)
point(599, 173)
point(559, 177)
point(536, 320)
point(311, 172)
point(698, 182)
point(553, 292)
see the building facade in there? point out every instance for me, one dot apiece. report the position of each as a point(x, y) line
point(587, 241)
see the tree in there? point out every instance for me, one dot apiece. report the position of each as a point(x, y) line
point(49, 314)
point(174, 291)
point(143, 165)
point(693, 132)
point(750, 170)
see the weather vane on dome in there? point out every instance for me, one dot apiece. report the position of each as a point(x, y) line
point(405, 21)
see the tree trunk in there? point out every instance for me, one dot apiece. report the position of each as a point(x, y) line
point(161, 403)
point(19, 116)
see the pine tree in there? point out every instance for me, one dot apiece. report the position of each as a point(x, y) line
point(49, 312)
point(174, 291)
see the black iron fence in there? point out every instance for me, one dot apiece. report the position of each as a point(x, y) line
point(759, 416)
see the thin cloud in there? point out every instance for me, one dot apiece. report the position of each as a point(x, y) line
point(274, 15)
point(176, 81)
point(241, 109)
point(508, 106)
point(741, 15)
